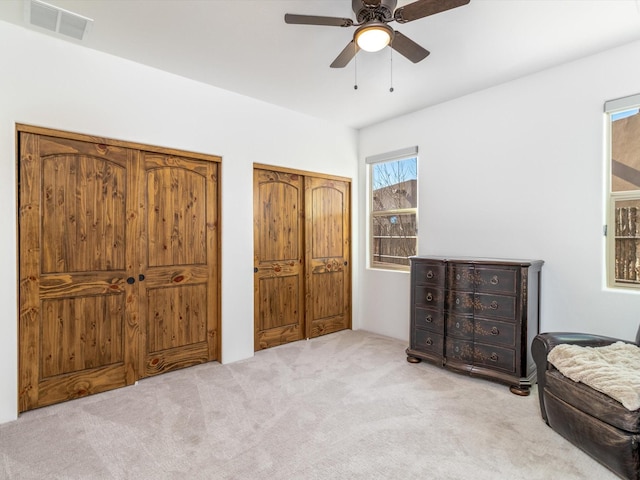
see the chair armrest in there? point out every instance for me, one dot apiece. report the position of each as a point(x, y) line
point(551, 339)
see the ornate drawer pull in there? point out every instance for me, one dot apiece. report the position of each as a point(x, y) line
point(494, 357)
point(428, 319)
point(495, 331)
point(457, 324)
point(429, 297)
point(458, 276)
point(493, 305)
point(430, 274)
point(429, 341)
point(494, 280)
point(457, 301)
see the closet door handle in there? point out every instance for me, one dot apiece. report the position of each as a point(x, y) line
point(131, 280)
point(141, 277)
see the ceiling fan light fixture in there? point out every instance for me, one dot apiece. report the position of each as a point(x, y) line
point(373, 37)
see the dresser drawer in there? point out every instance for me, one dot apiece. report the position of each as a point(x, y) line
point(460, 326)
point(460, 350)
point(429, 297)
point(495, 333)
point(460, 302)
point(461, 277)
point(432, 320)
point(495, 306)
point(497, 280)
point(429, 273)
point(494, 357)
point(427, 342)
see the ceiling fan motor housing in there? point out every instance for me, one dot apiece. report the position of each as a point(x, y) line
point(371, 10)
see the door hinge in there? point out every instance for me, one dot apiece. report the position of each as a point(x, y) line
point(604, 230)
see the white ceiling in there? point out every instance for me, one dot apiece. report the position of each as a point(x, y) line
point(244, 46)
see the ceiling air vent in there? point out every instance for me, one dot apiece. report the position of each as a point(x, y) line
point(56, 19)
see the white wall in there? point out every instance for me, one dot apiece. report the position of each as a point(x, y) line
point(52, 83)
point(515, 171)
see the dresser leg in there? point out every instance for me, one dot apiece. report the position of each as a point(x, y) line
point(411, 359)
point(519, 390)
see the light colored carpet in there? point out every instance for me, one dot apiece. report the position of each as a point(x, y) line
point(342, 406)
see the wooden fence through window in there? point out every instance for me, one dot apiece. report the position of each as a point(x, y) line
point(627, 245)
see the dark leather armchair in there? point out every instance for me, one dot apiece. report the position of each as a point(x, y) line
point(592, 421)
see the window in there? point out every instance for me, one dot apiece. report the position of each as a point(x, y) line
point(623, 213)
point(393, 189)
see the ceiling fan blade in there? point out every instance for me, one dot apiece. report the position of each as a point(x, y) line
point(407, 47)
point(316, 20)
point(424, 8)
point(346, 55)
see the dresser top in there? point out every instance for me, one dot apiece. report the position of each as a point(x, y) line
point(479, 260)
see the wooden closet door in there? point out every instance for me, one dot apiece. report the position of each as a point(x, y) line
point(78, 330)
point(278, 253)
point(327, 256)
point(179, 263)
point(118, 260)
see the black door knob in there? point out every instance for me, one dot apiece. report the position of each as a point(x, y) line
point(131, 280)
point(141, 277)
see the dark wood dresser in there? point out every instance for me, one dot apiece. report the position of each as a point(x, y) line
point(476, 316)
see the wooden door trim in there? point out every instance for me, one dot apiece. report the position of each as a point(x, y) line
point(28, 267)
point(22, 128)
point(303, 173)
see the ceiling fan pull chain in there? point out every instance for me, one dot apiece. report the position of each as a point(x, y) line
point(355, 66)
point(391, 69)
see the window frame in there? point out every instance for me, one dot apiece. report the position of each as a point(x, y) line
point(611, 108)
point(395, 156)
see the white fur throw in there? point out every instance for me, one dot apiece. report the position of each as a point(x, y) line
point(613, 370)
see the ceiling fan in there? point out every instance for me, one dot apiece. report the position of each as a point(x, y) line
point(373, 33)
